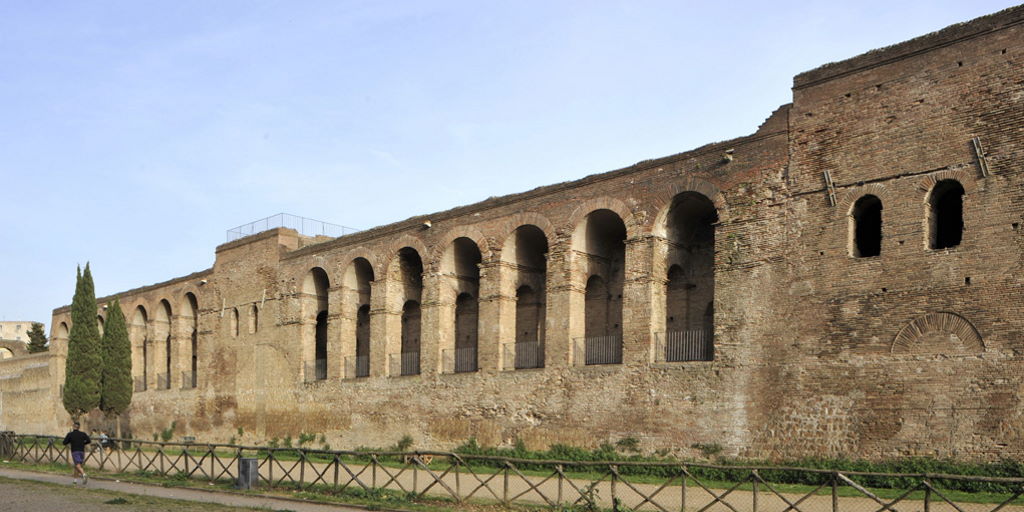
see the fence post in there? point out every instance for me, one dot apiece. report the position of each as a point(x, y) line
point(504, 496)
point(835, 493)
point(458, 484)
point(682, 497)
point(927, 497)
point(6, 444)
point(614, 470)
point(754, 479)
point(558, 467)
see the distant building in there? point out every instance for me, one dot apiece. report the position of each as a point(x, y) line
point(17, 331)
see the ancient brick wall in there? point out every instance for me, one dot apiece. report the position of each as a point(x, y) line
point(818, 347)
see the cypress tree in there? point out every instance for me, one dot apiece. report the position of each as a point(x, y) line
point(83, 369)
point(116, 394)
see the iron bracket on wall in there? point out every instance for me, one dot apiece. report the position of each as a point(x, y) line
point(831, 187)
point(980, 153)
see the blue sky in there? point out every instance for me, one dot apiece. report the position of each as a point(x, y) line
point(134, 134)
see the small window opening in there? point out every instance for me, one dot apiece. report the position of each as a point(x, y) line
point(946, 214)
point(967, 281)
point(867, 227)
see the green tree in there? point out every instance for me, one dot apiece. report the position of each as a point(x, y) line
point(36, 339)
point(116, 393)
point(83, 370)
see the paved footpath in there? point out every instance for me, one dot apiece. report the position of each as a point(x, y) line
point(177, 493)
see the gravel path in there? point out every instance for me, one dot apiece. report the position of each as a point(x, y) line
point(30, 491)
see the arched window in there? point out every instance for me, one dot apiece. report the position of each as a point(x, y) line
point(461, 265)
point(946, 214)
point(866, 227)
point(690, 285)
point(410, 338)
point(602, 238)
point(527, 250)
point(321, 346)
point(234, 322)
point(362, 363)
point(254, 319)
point(407, 273)
point(357, 278)
point(190, 312)
point(162, 331)
point(140, 344)
point(315, 304)
point(466, 318)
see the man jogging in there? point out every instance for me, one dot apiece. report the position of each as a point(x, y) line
point(78, 439)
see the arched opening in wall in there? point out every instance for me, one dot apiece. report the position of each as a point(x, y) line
point(603, 339)
point(321, 345)
point(528, 247)
point(529, 352)
point(99, 324)
point(690, 283)
point(140, 349)
point(946, 214)
point(358, 279)
point(60, 335)
point(315, 289)
point(604, 253)
point(189, 378)
point(466, 319)
point(5, 353)
point(254, 319)
point(410, 277)
point(410, 338)
point(234, 322)
point(465, 270)
point(866, 227)
point(362, 362)
point(162, 332)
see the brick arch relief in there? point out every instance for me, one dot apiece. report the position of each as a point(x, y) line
point(507, 229)
point(940, 332)
point(391, 254)
point(964, 175)
point(662, 201)
point(850, 197)
point(374, 258)
point(601, 203)
point(439, 252)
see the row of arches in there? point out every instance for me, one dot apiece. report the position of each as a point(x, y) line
point(165, 345)
point(518, 297)
point(944, 217)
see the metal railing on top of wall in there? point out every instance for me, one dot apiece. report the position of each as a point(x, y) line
point(308, 227)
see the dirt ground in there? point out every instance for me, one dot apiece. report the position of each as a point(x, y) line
point(23, 496)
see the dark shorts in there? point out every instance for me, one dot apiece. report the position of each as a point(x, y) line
point(78, 457)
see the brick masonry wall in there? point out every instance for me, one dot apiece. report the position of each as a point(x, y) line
point(816, 352)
